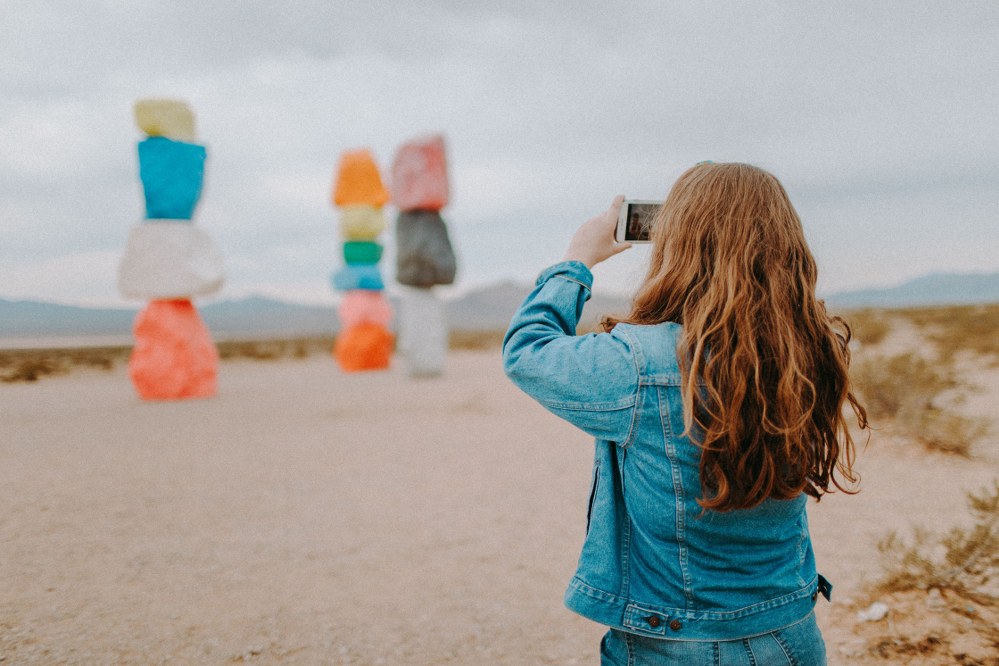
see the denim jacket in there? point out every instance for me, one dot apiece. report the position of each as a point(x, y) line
point(653, 562)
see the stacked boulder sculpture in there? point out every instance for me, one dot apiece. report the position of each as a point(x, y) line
point(424, 256)
point(364, 342)
point(168, 261)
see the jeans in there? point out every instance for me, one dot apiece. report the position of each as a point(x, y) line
point(799, 644)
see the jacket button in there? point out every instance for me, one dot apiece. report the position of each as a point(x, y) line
point(653, 621)
point(675, 625)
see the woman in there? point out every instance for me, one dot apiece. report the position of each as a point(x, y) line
point(717, 407)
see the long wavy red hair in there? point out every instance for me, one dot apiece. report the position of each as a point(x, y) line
point(764, 366)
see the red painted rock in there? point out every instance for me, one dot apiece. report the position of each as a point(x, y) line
point(363, 347)
point(358, 182)
point(362, 306)
point(174, 356)
point(419, 175)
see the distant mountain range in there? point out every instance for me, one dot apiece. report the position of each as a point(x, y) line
point(936, 289)
point(485, 309)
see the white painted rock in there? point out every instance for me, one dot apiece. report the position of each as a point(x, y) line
point(166, 259)
point(423, 332)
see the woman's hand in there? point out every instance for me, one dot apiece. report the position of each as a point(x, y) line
point(594, 240)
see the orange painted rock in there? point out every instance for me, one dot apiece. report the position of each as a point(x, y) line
point(419, 175)
point(364, 307)
point(358, 181)
point(174, 356)
point(363, 347)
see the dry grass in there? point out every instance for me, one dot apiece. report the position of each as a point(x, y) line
point(870, 327)
point(964, 561)
point(476, 340)
point(918, 391)
point(968, 328)
point(29, 365)
point(942, 591)
point(912, 393)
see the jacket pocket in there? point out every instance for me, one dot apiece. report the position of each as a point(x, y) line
point(593, 495)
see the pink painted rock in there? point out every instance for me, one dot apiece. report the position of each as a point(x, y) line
point(364, 307)
point(174, 356)
point(364, 347)
point(419, 175)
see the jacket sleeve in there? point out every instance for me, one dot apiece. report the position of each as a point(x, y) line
point(589, 380)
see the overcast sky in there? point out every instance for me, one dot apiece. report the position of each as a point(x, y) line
point(881, 119)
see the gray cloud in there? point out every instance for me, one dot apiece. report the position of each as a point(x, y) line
point(860, 108)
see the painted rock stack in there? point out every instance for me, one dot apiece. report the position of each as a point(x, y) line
point(364, 342)
point(424, 256)
point(168, 260)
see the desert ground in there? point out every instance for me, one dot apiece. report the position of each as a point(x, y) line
point(307, 516)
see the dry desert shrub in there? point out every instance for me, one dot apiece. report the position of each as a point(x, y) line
point(29, 365)
point(475, 340)
point(942, 591)
point(971, 328)
point(908, 389)
point(964, 561)
point(869, 326)
point(275, 349)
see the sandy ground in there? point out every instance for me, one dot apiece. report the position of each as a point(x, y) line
point(309, 517)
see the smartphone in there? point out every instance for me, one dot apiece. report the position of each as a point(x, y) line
point(635, 220)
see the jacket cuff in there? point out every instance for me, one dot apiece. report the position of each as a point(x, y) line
point(574, 271)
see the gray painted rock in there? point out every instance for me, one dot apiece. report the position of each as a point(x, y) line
point(424, 256)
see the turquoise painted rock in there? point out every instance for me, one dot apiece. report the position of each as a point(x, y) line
point(362, 252)
point(171, 174)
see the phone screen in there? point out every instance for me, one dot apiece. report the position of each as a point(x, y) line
point(639, 221)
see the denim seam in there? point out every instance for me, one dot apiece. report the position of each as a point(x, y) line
point(784, 648)
point(625, 553)
point(749, 651)
point(602, 595)
point(639, 359)
point(569, 278)
point(615, 406)
point(803, 538)
point(679, 494)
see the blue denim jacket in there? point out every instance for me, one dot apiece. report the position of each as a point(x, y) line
point(653, 563)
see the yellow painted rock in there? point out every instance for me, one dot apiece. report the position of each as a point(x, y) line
point(171, 118)
point(361, 223)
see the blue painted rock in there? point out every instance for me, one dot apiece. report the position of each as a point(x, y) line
point(171, 173)
point(424, 256)
point(171, 118)
point(167, 259)
point(358, 276)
